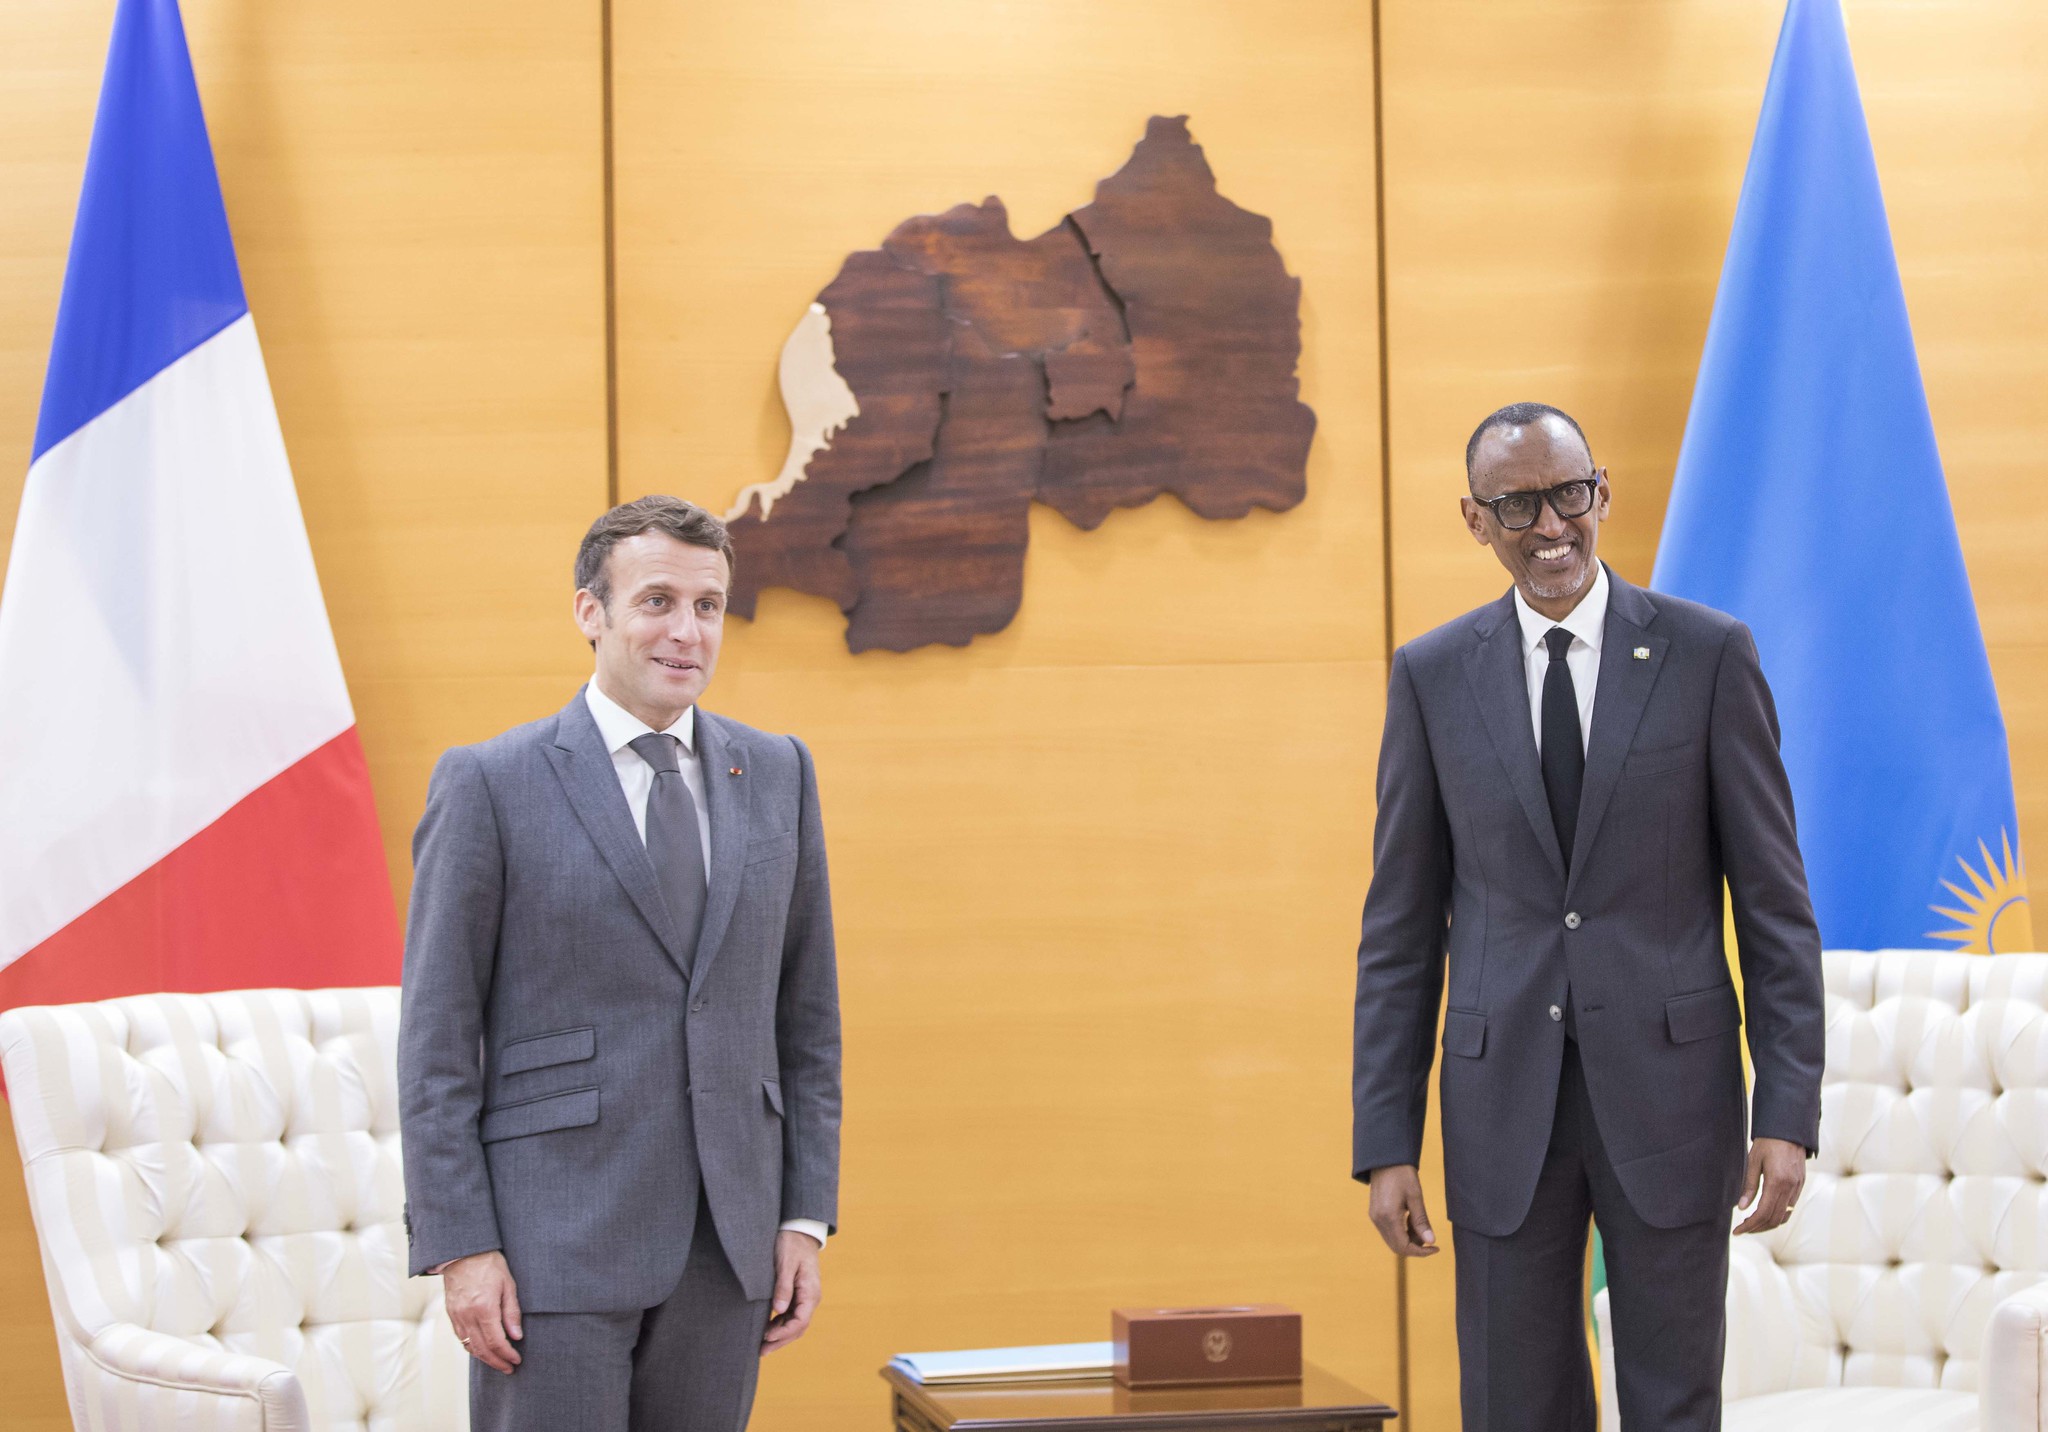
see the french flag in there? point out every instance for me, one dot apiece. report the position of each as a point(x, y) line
point(184, 803)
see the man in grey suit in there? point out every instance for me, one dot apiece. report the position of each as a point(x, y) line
point(1568, 776)
point(618, 1055)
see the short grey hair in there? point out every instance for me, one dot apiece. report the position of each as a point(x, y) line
point(670, 516)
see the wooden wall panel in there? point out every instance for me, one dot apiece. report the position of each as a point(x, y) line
point(1560, 182)
point(415, 194)
point(418, 208)
point(1096, 876)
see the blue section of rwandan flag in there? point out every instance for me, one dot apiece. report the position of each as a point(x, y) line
point(1810, 502)
point(152, 273)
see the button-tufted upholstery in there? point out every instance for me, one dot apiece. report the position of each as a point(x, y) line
point(1909, 1289)
point(216, 1190)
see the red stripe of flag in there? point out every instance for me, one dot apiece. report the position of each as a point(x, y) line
point(289, 887)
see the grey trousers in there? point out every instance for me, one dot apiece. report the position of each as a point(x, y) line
point(1522, 1360)
point(688, 1364)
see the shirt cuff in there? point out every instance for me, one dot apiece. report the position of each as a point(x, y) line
point(810, 1227)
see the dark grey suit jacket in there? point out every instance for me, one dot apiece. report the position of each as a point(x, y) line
point(1683, 788)
point(563, 1087)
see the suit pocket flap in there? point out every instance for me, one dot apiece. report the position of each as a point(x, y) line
point(1699, 1016)
point(540, 1050)
point(771, 847)
point(568, 1110)
point(773, 1088)
point(1656, 760)
point(1464, 1032)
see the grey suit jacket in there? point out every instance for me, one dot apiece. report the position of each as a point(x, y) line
point(564, 1087)
point(1683, 788)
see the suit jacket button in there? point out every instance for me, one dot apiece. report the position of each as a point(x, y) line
point(1556, 1014)
point(1571, 920)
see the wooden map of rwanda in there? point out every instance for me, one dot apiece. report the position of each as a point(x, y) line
point(945, 381)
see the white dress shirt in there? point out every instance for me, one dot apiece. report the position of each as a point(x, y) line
point(1586, 622)
point(619, 727)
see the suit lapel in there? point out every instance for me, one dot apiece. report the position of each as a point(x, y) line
point(727, 797)
point(1618, 701)
point(585, 769)
point(1500, 684)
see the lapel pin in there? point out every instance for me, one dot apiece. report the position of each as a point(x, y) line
point(1641, 653)
point(736, 771)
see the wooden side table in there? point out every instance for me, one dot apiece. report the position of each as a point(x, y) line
point(1318, 1403)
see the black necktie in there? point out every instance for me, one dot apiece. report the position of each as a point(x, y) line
point(672, 841)
point(1564, 749)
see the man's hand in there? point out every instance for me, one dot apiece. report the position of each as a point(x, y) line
point(797, 1289)
point(1780, 1166)
point(1398, 1213)
point(484, 1306)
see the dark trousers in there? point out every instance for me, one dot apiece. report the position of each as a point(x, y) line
point(688, 1364)
point(1522, 1359)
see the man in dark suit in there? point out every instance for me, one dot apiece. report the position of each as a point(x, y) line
point(618, 1056)
point(1568, 776)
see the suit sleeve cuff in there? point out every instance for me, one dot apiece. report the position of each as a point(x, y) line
point(809, 1227)
point(1769, 1120)
point(422, 1269)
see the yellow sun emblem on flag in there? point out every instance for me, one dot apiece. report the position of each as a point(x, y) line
point(1994, 918)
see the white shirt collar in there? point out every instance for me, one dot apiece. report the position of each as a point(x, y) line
point(1586, 621)
point(618, 726)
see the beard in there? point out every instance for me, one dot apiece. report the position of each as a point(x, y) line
point(1556, 589)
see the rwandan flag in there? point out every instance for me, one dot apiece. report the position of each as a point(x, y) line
point(1810, 502)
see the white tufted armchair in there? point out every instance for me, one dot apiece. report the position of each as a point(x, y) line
point(216, 1190)
point(1909, 1289)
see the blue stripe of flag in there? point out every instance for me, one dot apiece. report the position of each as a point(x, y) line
point(152, 273)
point(1810, 502)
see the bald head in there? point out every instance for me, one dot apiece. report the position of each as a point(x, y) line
point(1525, 434)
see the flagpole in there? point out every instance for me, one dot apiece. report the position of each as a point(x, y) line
point(611, 266)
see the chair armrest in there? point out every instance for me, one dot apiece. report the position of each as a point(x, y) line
point(2014, 1370)
point(1603, 1324)
point(1768, 1347)
point(134, 1379)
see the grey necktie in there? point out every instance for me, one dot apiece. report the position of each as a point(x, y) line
point(672, 840)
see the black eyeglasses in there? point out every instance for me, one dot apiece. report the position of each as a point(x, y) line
point(1517, 510)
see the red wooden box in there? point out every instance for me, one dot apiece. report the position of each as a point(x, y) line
point(1179, 1347)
